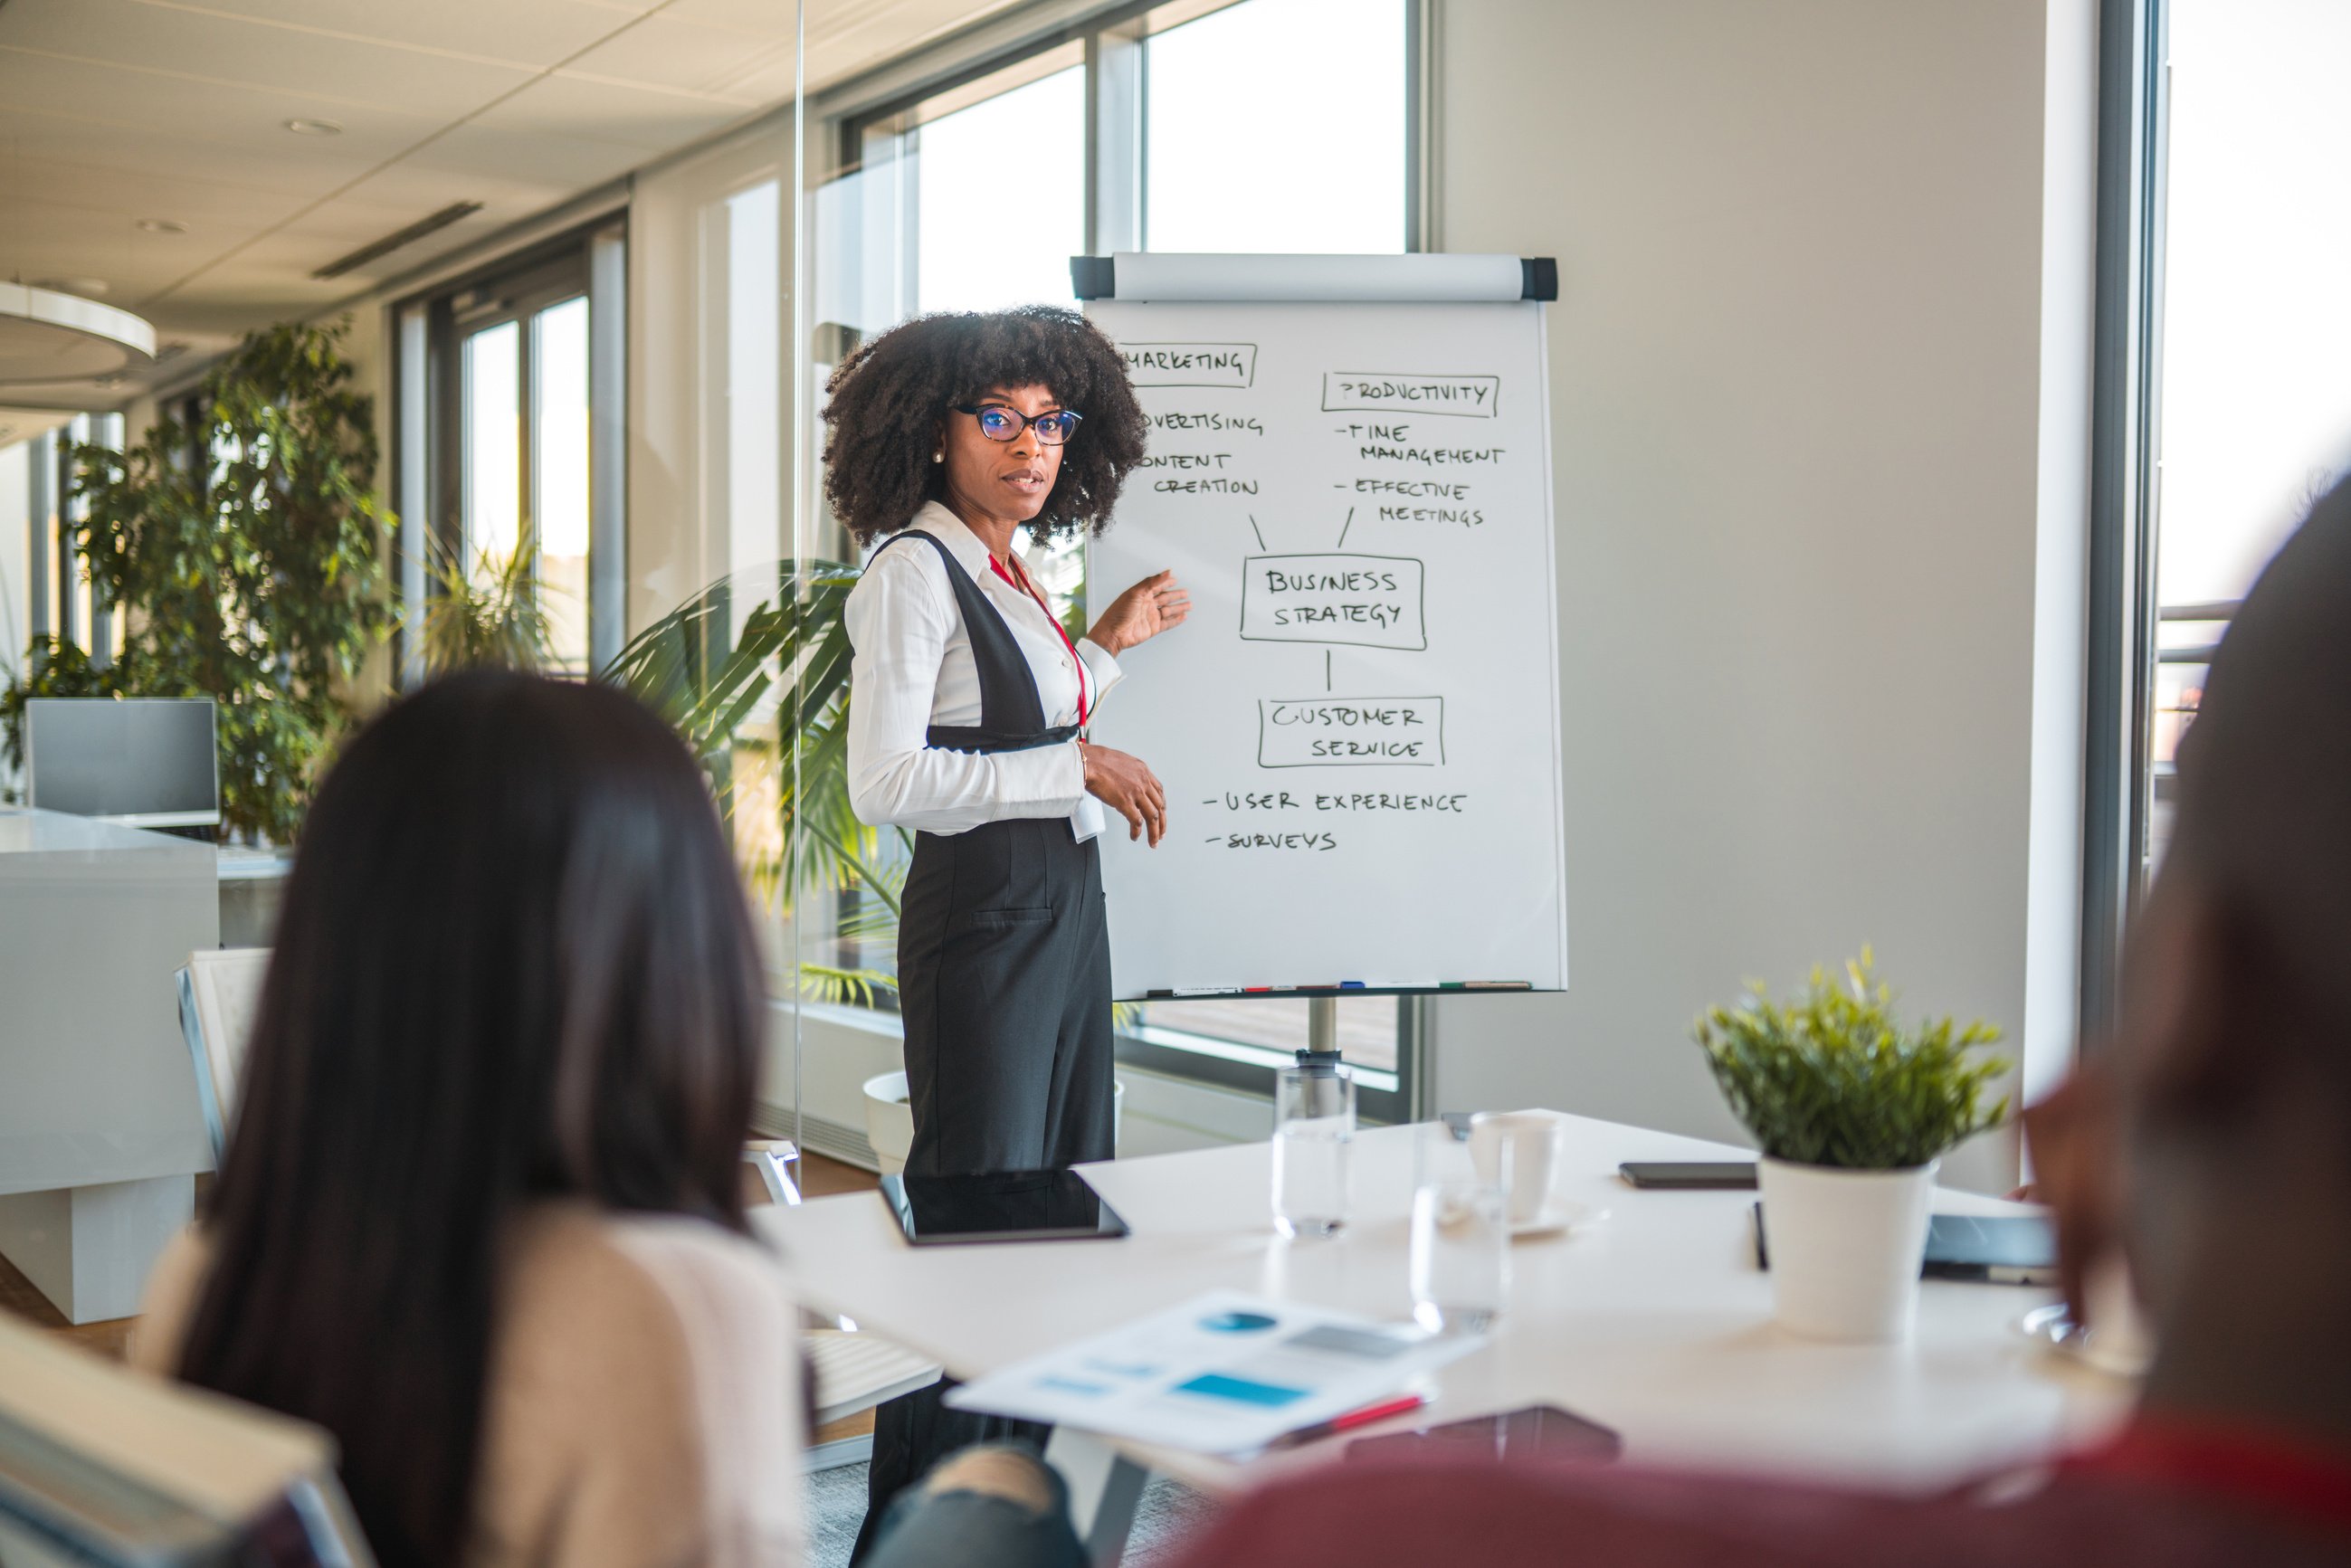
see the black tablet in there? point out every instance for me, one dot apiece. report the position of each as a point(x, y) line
point(1001, 1205)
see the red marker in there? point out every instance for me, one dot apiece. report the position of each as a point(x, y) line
point(1362, 1417)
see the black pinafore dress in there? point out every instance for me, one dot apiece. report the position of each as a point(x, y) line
point(1004, 992)
point(1003, 951)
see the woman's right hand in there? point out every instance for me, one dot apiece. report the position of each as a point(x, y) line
point(1125, 785)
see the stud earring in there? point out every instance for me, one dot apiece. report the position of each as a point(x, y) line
point(938, 457)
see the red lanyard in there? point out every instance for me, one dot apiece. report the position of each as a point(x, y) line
point(1025, 586)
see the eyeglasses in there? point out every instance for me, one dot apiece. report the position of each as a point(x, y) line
point(998, 422)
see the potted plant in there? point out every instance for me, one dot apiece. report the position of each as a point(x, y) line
point(1851, 1112)
point(243, 552)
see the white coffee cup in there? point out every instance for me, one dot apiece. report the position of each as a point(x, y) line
point(1535, 1142)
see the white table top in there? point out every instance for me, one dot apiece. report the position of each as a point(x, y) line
point(1655, 1322)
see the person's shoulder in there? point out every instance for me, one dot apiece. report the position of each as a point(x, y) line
point(174, 1286)
point(647, 1389)
point(706, 1269)
point(690, 1331)
point(587, 1271)
point(900, 566)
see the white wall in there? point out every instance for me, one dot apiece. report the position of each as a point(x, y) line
point(1797, 370)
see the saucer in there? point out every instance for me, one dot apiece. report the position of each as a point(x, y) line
point(2114, 1354)
point(1561, 1215)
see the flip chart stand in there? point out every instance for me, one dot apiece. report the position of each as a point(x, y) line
point(1322, 1028)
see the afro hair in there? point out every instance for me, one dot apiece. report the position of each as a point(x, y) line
point(889, 397)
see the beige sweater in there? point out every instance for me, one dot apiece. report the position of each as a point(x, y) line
point(644, 1405)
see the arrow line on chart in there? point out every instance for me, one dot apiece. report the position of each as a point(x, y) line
point(1258, 532)
point(1345, 526)
point(1326, 670)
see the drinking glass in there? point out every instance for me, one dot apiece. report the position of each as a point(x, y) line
point(1314, 1123)
point(1460, 1257)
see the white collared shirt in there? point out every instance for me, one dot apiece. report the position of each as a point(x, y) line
point(913, 668)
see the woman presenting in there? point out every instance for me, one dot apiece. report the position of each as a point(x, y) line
point(967, 722)
point(968, 712)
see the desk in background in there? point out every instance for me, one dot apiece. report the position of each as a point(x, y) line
point(100, 1131)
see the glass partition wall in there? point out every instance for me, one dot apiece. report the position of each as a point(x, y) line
point(962, 180)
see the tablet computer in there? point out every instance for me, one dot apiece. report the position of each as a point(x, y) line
point(1000, 1206)
point(1988, 1248)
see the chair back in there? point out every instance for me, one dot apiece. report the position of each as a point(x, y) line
point(103, 1465)
point(220, 995)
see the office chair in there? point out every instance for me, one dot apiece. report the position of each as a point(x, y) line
point(220, 992)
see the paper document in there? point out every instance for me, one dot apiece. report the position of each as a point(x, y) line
point(1223, 1373)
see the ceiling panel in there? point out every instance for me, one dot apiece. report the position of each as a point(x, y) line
point(24, 424)
point(535, 33)
point(185, 107)
point(555, 163)
point(643, 118)
point(288, 166)
point(407, 192)
point(239, 53)
point(663, 51)
point(117, 198)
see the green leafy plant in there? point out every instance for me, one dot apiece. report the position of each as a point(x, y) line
point(492, 613)
point(244, 551)
point(1832, 1078)
point(761, 697)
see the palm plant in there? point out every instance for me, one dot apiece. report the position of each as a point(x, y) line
point(761, 697)
point(491, 612)
point(762, 701)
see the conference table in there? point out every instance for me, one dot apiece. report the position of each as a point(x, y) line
point(1654, 1321)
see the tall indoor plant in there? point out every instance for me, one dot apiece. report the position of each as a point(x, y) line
point(753, 672)
point(244, 551)
point(1852, 1112)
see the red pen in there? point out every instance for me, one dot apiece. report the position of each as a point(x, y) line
point(1362, 1415)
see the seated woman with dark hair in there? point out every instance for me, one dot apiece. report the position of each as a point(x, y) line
point(480, 1217)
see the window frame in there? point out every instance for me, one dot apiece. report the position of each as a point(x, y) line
point(427, 331)
point(2125, 492)
point(1112, 38)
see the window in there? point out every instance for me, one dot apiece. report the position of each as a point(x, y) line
point(507, 429)
point(2221, 413)
point(1244, 149)
point(523, 463)
point(1188, 127)
point(2255, 413)
point(935, 174)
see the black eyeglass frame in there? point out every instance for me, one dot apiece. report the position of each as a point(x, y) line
point(977, 410)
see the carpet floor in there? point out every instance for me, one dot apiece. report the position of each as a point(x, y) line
point(1166, 1516)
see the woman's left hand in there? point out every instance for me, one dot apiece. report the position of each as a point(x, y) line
point(1140, 613)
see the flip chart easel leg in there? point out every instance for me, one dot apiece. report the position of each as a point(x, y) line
point(1104, 1487)
point(1323, 1024)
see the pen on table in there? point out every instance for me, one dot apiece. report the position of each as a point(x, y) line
point(1363, 1416)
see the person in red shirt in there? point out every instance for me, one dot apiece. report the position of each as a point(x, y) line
point(2211, 1140)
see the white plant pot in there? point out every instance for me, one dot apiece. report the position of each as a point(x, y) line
point(1846, 1247)
point(890, 1120)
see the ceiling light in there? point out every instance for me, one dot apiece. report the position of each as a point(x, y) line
point(47, 337)
point(88, 288)
point(162, 226)
point(314, 127)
